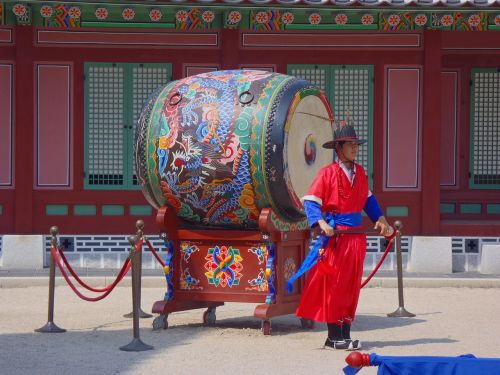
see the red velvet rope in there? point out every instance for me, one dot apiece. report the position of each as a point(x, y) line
point(125, 268)
point(72, 286)
point(379, 263)
point(155, 253)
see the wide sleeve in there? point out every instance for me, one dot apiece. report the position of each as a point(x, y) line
point(372, 208)
point(313, 212)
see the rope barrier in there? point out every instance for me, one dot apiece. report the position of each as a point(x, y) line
point(388, 248)
point(124, 270)
point(155, 253)
point(108, 289)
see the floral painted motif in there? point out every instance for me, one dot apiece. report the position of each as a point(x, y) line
point(234, 17)
point(181, 15)
point(315, 19)
point(101, 13)
point(447, 20)
point(420, 19)
point(259, 283)
point(341, 19)
point(394, 20)
point(287, 18)
point(208, 16)
point(262, 17)
point(128, 14)
point(367, 19)
point(497, 20)
point(19, 10)
point(223, 266)
point(474, 20)
point(289, 268)
point(74, 12)
point(46, 11)
point(260, 252)
point(187, 250)
point(188, 282)
point(155, 15)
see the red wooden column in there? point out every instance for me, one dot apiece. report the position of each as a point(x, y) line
point(431, 133)
point(229, 48)
point(23, 131)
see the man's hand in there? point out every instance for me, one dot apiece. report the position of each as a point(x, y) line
point(383, 226)
point(326, 229)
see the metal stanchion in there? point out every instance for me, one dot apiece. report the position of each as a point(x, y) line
point(139, 224)
point(136, 345)
point(50, 326)
point(400, 311)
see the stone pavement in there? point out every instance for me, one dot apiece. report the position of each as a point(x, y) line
point(154, 278)
point(450, 321)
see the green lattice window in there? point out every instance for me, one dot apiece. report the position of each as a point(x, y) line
point(485, 129)
point(114, 94)
point(349, 89)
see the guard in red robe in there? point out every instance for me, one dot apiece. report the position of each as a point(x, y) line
point(340, 191)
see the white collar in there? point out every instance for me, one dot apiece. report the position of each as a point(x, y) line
point(349, 172)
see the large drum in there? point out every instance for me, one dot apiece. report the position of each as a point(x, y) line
point(218, 147)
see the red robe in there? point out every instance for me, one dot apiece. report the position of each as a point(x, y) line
point(332, 296)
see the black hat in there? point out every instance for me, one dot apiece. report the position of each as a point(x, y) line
point(343, 134)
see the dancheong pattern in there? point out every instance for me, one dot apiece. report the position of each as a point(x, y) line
point(223, 266)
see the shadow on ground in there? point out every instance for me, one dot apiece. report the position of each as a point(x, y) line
point(290, 324)
point(370, 345)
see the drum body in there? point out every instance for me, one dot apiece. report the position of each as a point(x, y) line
point(218, 147)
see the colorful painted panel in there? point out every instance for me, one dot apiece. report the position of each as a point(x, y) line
point(194, 19)
point(266, 20)
point(61, 15)
point(217, 146)
point(210, 267)
point(312, 15)
point(224, 266)
point(460, 21)
point(22, 13)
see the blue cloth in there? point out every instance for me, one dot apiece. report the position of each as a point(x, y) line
point(350, 219)
point(372, 208)
point(313, 212)
point(466, 364)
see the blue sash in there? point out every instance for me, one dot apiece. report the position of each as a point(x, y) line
point(350, 219)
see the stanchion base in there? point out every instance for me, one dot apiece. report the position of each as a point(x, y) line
point(50, 327)
point(142, 315)
point(401, 313)
point(136, 345)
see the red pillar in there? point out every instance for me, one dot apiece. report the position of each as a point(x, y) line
point(24, 143)
point(431, 133)
point(229, 48)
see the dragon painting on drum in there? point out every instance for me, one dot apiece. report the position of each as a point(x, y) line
point(219, 147)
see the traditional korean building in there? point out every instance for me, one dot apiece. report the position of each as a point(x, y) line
point(420, 79)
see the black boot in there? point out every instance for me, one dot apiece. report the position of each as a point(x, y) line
point(346, 335)
point(334, 339)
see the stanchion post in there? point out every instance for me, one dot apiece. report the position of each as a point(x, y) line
point(139, 224)
point(50, 326)
point(400, 311)
point(136, 345)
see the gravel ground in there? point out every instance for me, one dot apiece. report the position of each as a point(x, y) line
point(449, 322)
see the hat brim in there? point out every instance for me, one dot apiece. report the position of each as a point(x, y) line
point(331, 144)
